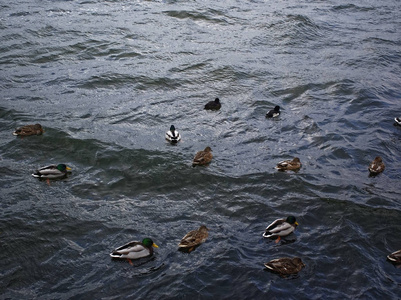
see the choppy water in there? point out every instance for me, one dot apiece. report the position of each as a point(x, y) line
point(106, 79)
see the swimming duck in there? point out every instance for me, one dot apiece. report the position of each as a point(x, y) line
point(134, 250)
point(203, 157)
point(398, 121)
point(52, 171)
point(194, 238)
point(376, 166)
point(172, 135)
point(29, 130)
point(214, 105)
point(395, 257)
point(280, 228)
point(294, 164)
point(274, 112)
point(285, 265)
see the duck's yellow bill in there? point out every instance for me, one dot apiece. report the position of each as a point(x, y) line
point(68, 168)
point(154, 245)
point(296, 223)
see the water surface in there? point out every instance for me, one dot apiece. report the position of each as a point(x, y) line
point(106, 79)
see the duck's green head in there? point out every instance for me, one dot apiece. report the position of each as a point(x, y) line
point(63, 168)
point(172, 128)
point(292, 220)
point(149, 243)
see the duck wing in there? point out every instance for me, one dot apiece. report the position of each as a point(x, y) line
point(395, 257)
point(285, 265)
point(202, 157)
point(278, 228)
point(131, 250)
point(193, 238)
point(283, 164)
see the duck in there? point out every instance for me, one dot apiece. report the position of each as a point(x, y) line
point(134, 250)
point(27, 130)
point(213, 105)
point(285, 265)
point(275, 112)
point(281, 228)
point(203, 157)
point(293, 164)
point(398, 121)
point(172, 135)
point(376, 166)
point(52, 171)
point(193, 239)
point(395, 257)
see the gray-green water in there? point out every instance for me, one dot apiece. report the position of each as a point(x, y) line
point(106, 79)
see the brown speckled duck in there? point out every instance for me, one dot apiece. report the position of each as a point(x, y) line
point(203, 157)
point(376, 166)
point(29, 130)
point(293, 165)
point(134, 250)
point(193, 239)
point(285, 265)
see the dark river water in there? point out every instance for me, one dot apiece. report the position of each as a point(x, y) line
point(107, 79)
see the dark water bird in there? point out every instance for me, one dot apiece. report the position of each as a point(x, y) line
point(193, 239)
point(275, 112)
point(281, 228)
point(294, 164)
point(376, 166)
point(285, 265)
point(213, 105)
point(398, 121)
point(173, 135)
point(395, 257)
point(29, 130)
point(134, 250)
point(203, 157)
point(52, 172)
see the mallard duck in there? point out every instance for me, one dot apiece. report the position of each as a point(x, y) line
point(203, 157)
point(52, 171)
point(194, 238)
point(395, 257)
point(214, 105)
point(376, 166)
point(29, 130)
point(294, 164)
point(398, 121)
point(134, 250)
point(274, 112)
point(285, 265)
point(280, 228)
point(172, 135)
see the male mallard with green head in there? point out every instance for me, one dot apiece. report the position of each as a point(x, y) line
point(134, 250)
point(172, 135)
point(280, 228)
point(52, 172)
